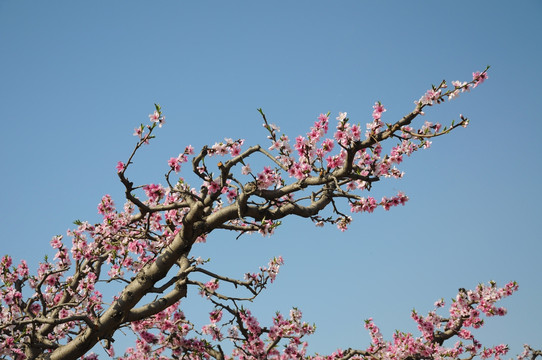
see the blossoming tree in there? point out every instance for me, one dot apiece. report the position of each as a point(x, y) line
point(60, 312)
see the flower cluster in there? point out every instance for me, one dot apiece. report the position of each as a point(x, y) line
point(370, 204)
point(155, 232)
point(157, 117)
point(175, 163)
point(229, 147)
point(464, 313)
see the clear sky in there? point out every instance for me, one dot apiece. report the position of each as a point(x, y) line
point(77, 77)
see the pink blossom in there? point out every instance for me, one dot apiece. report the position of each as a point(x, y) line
point(378, 110)
point(11, 296)
point(174, 164)
point(459, 87)
point(231, 194)
point(91, 356)
point(120, 166)
point(364, 205)
point(299, 170)
point(138, 131)
point(465, 334)
point(6, 262)
point(250, 322)
point(213, 187)
point(323, 118)
point(267, 227)
point(212, 285)
point(189, 150)
point(336, 161)
point(212, 330)
point(327, 145)
point(275, 145)
point(154, 192)
point(106, 206)
point(429, 97)
point(148, 337)
point(479, 78)
point(155, 117)
point(341, 137)
point(342, 223)
point(22, 269)
point(245, 170)
point(301, 145)
point(110, 351)
point(267, 178)
point(356, 132)
point(273, 268)
point(215, 316)
point(235, 150)
point(218, 149)
point(56, 242)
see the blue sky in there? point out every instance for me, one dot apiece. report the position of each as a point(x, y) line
point(77, 77)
